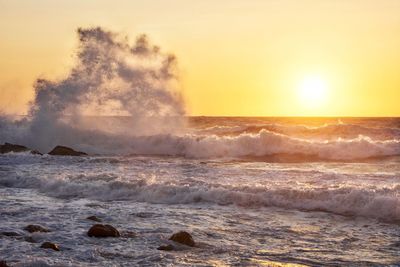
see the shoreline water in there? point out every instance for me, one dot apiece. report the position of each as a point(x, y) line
point(243, 211)
point(281, 236)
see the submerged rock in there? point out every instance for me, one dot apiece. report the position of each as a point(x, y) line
point(166, 247)
point(50, 245)
point(94, 218)
point(183, 237)
point(36, 228)
point(7, 148)
point(3, 264)
point(103, 230)
point(10, 234)
point(65, 151)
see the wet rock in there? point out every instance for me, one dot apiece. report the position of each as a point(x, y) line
point(65, 151)
point(3, 264)
point(10, 234)
point(35, 152)
point(7, 148)
point(36, 228)
point(183, 237)
point(103, 230)
point(94, 218)
point(166, 247)
point(50, 245)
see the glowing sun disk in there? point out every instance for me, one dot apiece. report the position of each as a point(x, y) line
point(312, 91)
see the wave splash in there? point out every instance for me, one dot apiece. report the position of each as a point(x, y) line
point(110, 77)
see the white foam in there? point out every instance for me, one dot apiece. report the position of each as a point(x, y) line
point(264, 143)
point(381, 203)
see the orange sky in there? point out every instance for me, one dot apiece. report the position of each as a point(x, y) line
point(246, 57)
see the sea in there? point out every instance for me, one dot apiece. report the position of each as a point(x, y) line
point(252, 191)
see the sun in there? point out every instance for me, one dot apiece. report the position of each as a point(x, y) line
point(312, 91)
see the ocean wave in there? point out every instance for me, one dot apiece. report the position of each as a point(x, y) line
point(379, 203)
point(264, 143)
point(247, 145)
point(325, 131)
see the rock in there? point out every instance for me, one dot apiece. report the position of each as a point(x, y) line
point(10, 234)
point(35, 152)
point(7, 148)
point(36, 228)
point(166, 247)
point(3, 264)
point(94, 218)
point(65, 151)
point(50, 246)
point(103, 230)
point(183, 237)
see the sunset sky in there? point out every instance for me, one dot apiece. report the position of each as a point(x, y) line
point(236, 57)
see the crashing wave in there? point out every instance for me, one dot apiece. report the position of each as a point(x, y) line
point(383, 204)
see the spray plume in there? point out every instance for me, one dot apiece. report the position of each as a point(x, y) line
point(110, 77)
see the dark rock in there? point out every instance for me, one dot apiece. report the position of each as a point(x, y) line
point(3, 264)
point(94, 218)
point(10, 234)
point(183, 238)
point(7, 148)
point(65, 151)
point(35, 152)
point(36, 228)
point(103, 230)
point(50, 246)
point(166, 247)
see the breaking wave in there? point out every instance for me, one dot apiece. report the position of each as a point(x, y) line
point(323, 132)
point(267, 143)
point(264, 143)
point(383, 203)
point(247, 145)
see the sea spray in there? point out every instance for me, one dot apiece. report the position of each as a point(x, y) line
point(110, 77)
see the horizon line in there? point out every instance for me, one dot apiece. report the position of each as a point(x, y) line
point(237, 116)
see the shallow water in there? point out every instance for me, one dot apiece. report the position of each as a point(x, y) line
point(241, 211)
